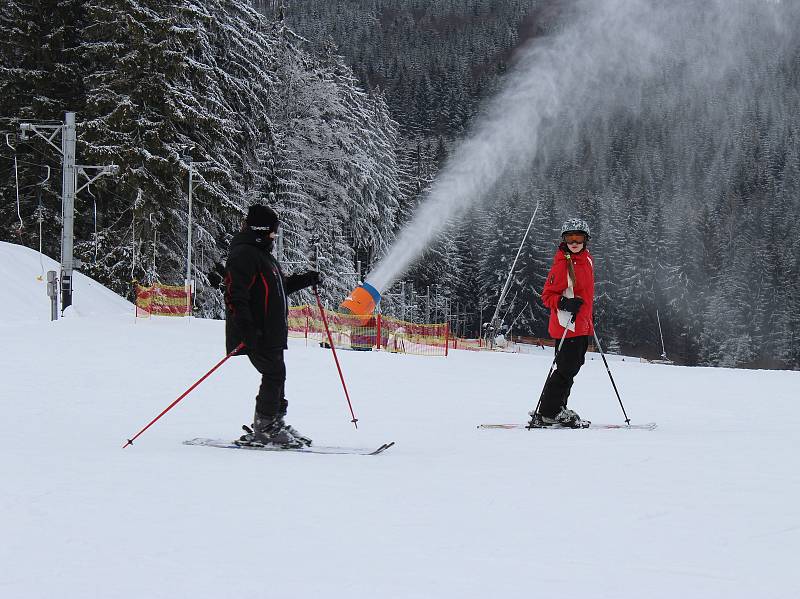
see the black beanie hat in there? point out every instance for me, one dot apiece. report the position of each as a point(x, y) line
point(262, 218)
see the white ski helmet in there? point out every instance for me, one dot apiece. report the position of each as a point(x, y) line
point(576, 225)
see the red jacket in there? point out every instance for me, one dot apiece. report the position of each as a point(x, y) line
point(583, 287)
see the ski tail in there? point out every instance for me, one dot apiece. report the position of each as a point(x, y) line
point(648, 426)
point(318, 449)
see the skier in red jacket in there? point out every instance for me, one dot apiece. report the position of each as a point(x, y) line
point(569, 293)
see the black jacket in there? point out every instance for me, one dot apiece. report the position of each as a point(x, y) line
point(256, 308)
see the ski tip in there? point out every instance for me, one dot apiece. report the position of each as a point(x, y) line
point(382, 448)
point(588, 425)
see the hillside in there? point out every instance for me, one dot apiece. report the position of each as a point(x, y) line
point(702, 507)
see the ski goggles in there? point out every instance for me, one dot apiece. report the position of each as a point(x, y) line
point(574, 239)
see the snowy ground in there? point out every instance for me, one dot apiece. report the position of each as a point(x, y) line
point(705, 506)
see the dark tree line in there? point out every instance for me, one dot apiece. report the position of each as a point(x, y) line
point(157, 84)
point(341, 114)
point(694, 195)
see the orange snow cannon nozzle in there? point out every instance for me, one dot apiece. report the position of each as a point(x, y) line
point(362, 301)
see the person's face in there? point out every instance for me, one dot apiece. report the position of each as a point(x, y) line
point(575, 242)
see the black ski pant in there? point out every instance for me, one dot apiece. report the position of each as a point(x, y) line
point(568, 362)
point(270, 401)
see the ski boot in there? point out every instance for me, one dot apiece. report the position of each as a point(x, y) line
point(272, 431)
point(303, 440)
point(566, 418)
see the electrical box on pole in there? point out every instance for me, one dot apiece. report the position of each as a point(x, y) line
point(52, 293)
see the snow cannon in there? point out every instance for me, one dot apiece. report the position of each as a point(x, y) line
point(362, 301)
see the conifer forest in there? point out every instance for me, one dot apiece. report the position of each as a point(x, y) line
point(340, 114)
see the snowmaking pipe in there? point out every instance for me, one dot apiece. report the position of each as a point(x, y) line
point(504, 292)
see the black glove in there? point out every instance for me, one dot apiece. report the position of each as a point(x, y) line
point(312, 278)
point(571, 305)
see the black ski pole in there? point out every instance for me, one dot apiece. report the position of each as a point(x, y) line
point(608, 370)
point(552, 367)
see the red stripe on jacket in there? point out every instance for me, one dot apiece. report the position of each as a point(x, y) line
point(266, 294)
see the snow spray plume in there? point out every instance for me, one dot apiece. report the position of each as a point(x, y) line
point(597, 61)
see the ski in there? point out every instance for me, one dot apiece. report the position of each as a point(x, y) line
point(321, 449)
point(649, 426)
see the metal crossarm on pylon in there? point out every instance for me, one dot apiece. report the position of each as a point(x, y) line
point(70, 171)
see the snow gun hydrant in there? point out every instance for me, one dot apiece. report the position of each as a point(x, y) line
point(362, 301)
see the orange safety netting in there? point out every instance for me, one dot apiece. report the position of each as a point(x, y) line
point(468, 344)
point(517, 344)
point(163, 300)
point(379, 333)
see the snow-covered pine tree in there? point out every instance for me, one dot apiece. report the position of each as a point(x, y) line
point(168, 81)
point(782, 261)
point(145, 111)
point(242, 93)
point(333, 169)
point(679, 285)
point(38, 82)
point(500, 238)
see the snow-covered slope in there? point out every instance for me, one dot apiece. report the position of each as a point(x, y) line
point(705, 506)
point(24, 275)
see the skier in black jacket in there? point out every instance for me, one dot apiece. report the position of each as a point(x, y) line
point(256, 313)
